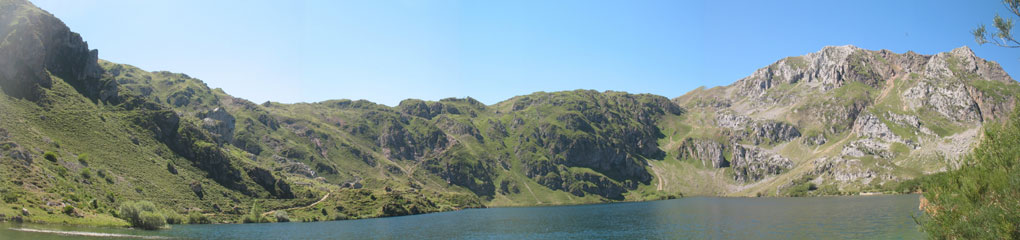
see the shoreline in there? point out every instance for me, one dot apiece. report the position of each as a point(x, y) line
point(863, 194)
point(86, 234)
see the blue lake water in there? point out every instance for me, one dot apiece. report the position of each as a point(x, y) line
point(853, 217)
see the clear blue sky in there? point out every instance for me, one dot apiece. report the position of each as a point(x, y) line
point(386, 51)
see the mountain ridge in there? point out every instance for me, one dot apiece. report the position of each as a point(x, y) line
point(839, 121)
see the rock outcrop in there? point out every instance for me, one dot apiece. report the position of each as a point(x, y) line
point(757, 131)
point(708, 152)
point(751, 164)
point(844, 170)
point(409, 144)
point(37, 45)
point(220, 123)
point(950, 99)
point(830, 68)
point(869, 126)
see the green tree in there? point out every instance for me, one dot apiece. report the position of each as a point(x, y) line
point(1003, 36)
point(981, 200)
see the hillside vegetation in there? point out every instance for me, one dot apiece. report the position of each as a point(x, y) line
point(981, 200)
point(88, 141)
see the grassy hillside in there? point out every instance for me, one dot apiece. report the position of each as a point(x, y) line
point(88, 141)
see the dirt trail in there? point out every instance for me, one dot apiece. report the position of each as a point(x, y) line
point(301, 207)
point(532, 193)
point(889, 86)
point(659, 176)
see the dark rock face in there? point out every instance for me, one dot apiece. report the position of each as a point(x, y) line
point(463, 169)
point(266, 179)
point(452, 126)
point(751, 164)
point(404, 144)
point(220, 123)
point(38, 43)
point(709, 153)
point(196, 187)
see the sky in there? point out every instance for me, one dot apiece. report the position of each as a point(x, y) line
point(387, 51)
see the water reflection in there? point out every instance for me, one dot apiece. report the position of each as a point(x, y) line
point(872, 217)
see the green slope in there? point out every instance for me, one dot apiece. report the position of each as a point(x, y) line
point(80, 137)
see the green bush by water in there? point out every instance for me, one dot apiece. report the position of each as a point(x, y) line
point(981, 200)
point(142, 214)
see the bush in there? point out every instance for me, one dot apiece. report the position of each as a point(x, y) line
point(151, 221)
point(142, 214)
point(62, 171)
point(50, 156)
point(111, 196)
point(253, 219)
point(85, 173)
point(282, 216)
point(10, 196)
point(173, 217)
point(253, 215)
point(981, 200)
point(83, 159)
point(198, 218)
point(68, 209)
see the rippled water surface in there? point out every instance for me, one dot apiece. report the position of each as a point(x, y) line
point(857, 217)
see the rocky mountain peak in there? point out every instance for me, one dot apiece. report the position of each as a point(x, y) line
point(836, 52)
point(962, 51)
point(34, 44)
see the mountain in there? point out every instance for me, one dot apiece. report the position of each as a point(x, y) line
point(81, 136)
point(846, 119)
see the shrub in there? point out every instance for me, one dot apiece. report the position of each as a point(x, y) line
point(198, 218)
point(68, 209)
point(253, 219)
point(173, 217)
point(981, 200)
point(9, 196)
point(85, 173)
point(50, 156)
point(170, 167)
point(253, 215)
point(151, 221)
point(111, 196)
point(142, 214)
point(62, 171)
point(282, 216)
point(83, 159)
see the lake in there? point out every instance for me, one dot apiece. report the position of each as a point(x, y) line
point(850, 217)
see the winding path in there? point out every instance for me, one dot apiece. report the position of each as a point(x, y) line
point(658, 175)
point(301, 207)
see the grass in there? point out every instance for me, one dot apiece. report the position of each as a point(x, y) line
point(90, 159)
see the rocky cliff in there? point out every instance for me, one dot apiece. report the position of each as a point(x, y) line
point(850, 117)
point(844, 119)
